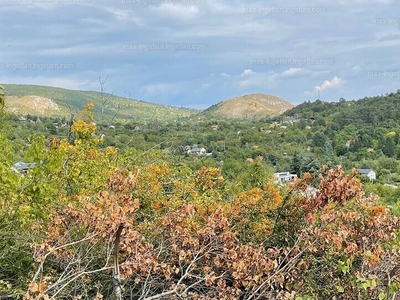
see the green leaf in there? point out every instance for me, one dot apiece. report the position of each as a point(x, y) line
point(382, 296)
point(364, 285)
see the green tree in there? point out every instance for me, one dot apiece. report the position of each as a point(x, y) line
point(319, 140)
point(306, 163)
point(255, 176)
point(388, 146)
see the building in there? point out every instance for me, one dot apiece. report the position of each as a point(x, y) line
point(369, 173)
point(214, 127)
point(23, 167)
point(198, 151)
point(349, 143)
point(283, 177)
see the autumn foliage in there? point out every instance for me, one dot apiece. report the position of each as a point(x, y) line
point(125, 226)
point(264, 244)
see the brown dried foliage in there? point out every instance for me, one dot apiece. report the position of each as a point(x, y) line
point(189, 252)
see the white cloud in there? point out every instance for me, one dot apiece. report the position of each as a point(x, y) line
point(159, 88)
point(177, 11)
point(62, 82)
point(82, 50)
point(202, 88)
point(294, 72)
point(250, 78)
point(94, 44)
point(222, 8)
point(334, 83)
point(229, 27)
point(118, 13)
point(373, 2)
point(247, 72)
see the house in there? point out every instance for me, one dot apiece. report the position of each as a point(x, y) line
point(290, 120)
point(368, 172)
point(349, 143)
point(198, 151)
point(23, 167)
point(283, 177)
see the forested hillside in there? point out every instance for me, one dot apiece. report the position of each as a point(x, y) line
point(137, 210)
point(375, 111)
point(311, 134)
point(33, 100)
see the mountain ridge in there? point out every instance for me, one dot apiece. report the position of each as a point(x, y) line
point(55, 101)
point(38, 100)
point(250, 106)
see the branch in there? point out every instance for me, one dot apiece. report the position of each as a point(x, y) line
point(58, 248)
point(116, 278)
point(281, 267)
point(76, 277)
point(184, 276)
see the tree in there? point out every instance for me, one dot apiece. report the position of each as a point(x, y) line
point(388, 146)
point(255, 175)
point(305, 163)
point(2, 98)
point(320, 122)
point(355, 235)
point(319, 140)
point(204, 250)
point(140, 223)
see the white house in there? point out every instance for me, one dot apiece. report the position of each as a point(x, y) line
point(198, 151)
point(283, 177)
point(22, 167)
point(368, 172)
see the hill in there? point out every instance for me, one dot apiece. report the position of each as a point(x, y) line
point(53, 101)
point(252, 106)
point(383, 110)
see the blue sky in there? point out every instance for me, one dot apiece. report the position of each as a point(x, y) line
point(196, 53)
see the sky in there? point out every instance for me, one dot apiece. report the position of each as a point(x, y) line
point(196, 53)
